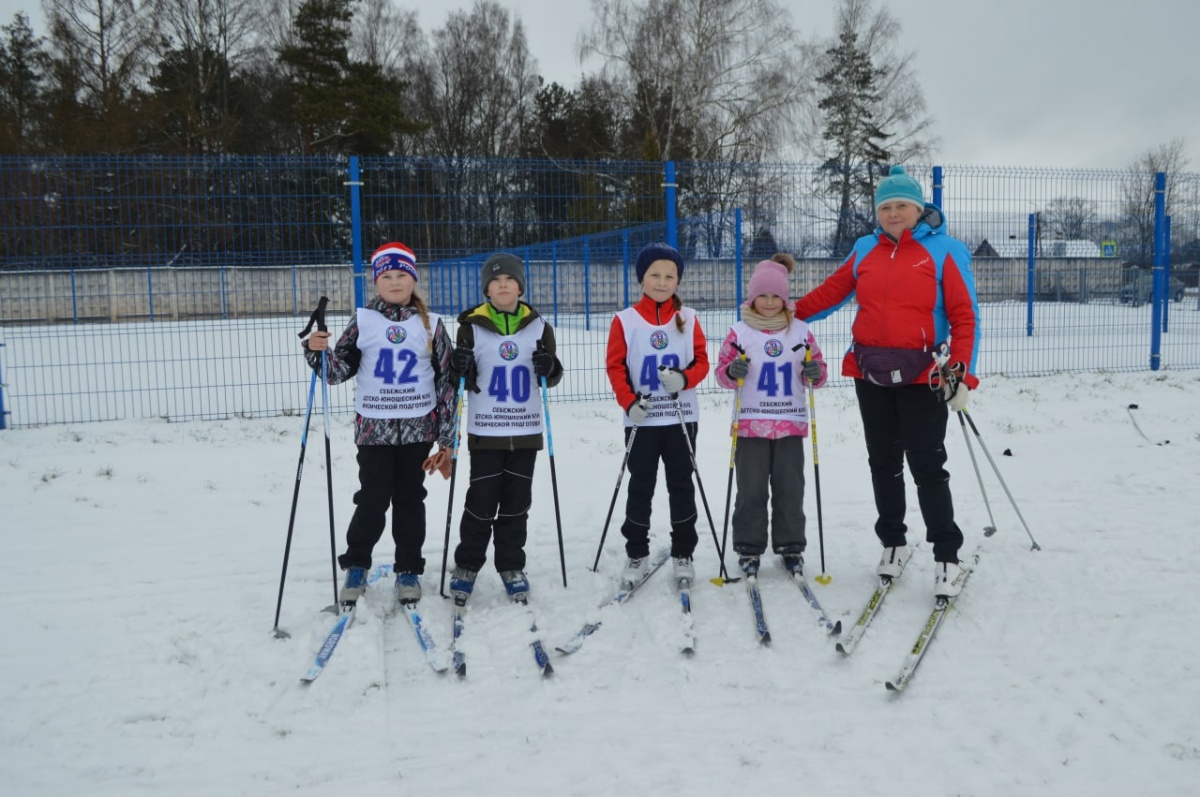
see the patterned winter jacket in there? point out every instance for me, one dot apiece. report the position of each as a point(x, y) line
point(915, 293)
point(344, 360)
point(767, 429)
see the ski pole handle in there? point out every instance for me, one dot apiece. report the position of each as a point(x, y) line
point(317, 317)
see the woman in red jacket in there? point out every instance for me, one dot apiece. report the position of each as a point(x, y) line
point(916, 298)
point(657, 354)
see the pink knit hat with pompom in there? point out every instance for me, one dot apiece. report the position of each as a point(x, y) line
point(769, 278)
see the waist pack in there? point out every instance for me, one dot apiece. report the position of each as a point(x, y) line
point(889, 367)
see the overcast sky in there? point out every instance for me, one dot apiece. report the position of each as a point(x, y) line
point(1054, 83)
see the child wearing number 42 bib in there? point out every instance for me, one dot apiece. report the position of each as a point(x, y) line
point(766, 351)
point(504, 349)
point(657, 354)
point(399, 354)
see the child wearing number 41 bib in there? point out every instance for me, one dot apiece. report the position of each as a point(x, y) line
point(766, 351)
point(399, 354)
point(504, 349)
point(657, 354)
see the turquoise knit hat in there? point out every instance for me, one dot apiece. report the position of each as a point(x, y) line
point(899, 187)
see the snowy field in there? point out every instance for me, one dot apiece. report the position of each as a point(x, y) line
point(143, 562)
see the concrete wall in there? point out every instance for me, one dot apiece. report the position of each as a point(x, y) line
point(36, 297)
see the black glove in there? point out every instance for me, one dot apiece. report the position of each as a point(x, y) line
point(462, 360)
point(543, 362)
point(812, 371)
point(738, 368)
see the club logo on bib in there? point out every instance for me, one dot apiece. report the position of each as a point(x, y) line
point(773, 348)
point(658, 339)
point(396, 334)
point(508, 350)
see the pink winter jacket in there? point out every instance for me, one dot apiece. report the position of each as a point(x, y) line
point(768, 430)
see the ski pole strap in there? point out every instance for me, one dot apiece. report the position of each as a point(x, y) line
point(317, 317)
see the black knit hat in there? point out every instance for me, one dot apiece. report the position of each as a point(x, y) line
point(502, 263)
point(657, 251)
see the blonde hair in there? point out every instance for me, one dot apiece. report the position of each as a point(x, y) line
point(419, 303)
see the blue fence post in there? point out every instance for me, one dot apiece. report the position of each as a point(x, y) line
point(937, 186)
point(737, 257)
point(3, 412)
point(625, 267)
point(1160, 214)
point(1166, 319)
point(669, 198)
point(355, 183)
point(587, 285)
point(1029, 276)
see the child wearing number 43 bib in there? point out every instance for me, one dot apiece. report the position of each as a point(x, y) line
point(399, 354)
point(657, 354)
point(504, 349)
point(766, 351)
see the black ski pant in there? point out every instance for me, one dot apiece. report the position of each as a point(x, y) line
point(389, 475)
point(651, 444)
point(909, 422)
point(497, 508)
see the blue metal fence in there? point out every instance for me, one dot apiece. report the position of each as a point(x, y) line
point(173, 287)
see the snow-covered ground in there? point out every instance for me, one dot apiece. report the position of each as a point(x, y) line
point(142, 563)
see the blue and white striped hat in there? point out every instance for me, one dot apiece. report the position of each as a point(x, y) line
point(394, 257)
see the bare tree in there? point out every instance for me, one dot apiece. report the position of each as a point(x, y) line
point(715, 79)
point(382, 35)
point(475, 84)
point(1138, 195)
point(201, 43)
point(101, 51)
point(1070, 218)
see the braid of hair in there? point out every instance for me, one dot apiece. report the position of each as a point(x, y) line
point(418, 303)
point(678, 305)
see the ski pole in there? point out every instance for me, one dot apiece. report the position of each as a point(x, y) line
point(312, 389)
point(824, 578)
point(616, 491)
point(287, 548)
point(737, 413)
point(328, 464)
point(1007, 492)
point(695, 469)
point(562, 557)
point(989, 530)
point(458, 407)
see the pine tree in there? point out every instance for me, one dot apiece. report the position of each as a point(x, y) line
point(856, 145)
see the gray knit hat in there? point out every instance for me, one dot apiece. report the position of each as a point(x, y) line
point(502, 263)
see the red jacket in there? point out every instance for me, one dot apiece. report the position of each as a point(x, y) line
point(615, 359)
point(914, 293)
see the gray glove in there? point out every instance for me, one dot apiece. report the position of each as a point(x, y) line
point(738, 368)
point(672, 379)
point(637, 412)
point(812, 371)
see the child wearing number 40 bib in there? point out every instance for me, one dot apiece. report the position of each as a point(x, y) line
point(504, 349)
point(399, 354)
point(656, 356)
point(766, 351)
